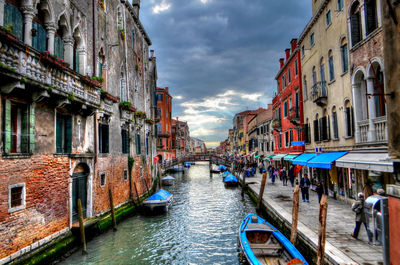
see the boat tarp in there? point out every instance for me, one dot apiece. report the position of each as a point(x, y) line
point(160, 195)
point(303, 159)
point(230, 178)
point(168, 178)
point(226, 173)
point(222, 167)
point(325, 160)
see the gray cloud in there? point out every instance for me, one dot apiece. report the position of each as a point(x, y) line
point(206, 48)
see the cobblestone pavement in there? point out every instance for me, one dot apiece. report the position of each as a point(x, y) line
point(340, 223)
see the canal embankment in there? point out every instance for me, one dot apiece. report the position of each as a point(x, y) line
point(340, 247)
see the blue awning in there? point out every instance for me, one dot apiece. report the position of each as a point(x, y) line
point(325, 160)
point(303, 159)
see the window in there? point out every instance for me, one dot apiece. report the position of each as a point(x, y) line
point(159, 97)
point(13, 19)
point(335, 124)
point(302, 51)
point(103, 137)
point(76, 57)
point(305, 88)
point(102, 179)
point(284, 81)
point(286, 138)
point(345, 56)
point(39, 39)
point(18, 127)
point(322, 73)
point(328, 18)
point(125, 174)
point(285, 109)
point(122, 85)
point(316, 129)
point(340, 5)
point(63, 134)
point(324, 130)
point(159, 128)
point(125, 141)
point(296, 68)
point(355, 24)
point(120, 19)
point(16, 197)
point(147, 146)
point(289, 76)
point(379, 90)
point(349, 121)
point(312, 39)
point(290, 137)
point(314, 76)
point(298, 134)
point(138, 145)
point(307, 134)
point(133, 39)
point(280, 140)
point(371, 16)
point(58, 47)
point(331, 66)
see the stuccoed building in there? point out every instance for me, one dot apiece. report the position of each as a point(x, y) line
point(77, 102)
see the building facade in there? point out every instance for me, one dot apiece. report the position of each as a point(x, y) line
point(180, 138)
point(70, 104)
point(164, 125)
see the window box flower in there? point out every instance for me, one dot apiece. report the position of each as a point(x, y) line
point(140, 115)
point(89, 81)
point(6, 34)
point(149, 121)
point(126, 105)
point(106, 95)
point(53, 61)
point(101, 4)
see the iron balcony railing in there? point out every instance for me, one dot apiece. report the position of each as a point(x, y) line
point(319, 93)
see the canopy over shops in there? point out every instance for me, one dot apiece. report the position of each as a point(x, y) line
point(373, 161)
point(325, 160)
point(303, 159)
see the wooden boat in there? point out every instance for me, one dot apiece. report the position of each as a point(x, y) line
point(168, 181)
point(162, 199)
point(231, 181)
point(263, 244)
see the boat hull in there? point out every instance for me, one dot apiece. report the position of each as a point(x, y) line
point(154, 205)
point(167, 182)
point(261, 243)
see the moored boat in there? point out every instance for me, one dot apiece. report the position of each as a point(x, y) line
point(187, 164)
point(222, 168)
point(263, 244)
point(231, 181)
point(162, 199)
point(215, 169)
point(168, 180)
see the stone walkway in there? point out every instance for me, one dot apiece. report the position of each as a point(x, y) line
point(340, 247)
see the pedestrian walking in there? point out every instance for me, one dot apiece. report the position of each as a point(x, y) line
point(305, 185)
point(358, 208)
point(274, 175)
point(291, 175)
point(320, 190)
point(284, 176)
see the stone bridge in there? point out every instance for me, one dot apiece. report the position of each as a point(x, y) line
point(212, 159)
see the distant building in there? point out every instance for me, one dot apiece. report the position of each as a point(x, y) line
point(180, 138)
point(164, 123)
point(261, 134)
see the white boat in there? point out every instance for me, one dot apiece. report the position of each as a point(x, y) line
point(162, 199)
point(168, 181)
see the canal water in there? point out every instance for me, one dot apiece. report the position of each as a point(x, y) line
point(201, 227)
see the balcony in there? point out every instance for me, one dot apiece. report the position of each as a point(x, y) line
point(319, 93)
point(277, 125)
point(372, 131)
point(157, 117)
point(163, 134)
point(26, 69)
point(294, 115)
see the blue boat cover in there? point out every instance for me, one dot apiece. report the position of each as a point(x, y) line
point(303, 159)
point(222, 167)
point(325, 160)
point(159, 196)
point(230, 178)
point(226, 173)
point(168, 178)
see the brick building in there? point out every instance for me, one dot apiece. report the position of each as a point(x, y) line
point(288, 105)
point(180, 138)
point(164, 125)
point(75, 107)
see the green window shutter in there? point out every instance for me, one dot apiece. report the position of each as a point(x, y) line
point(138, 151)
point(100, 73)
point(59, 48)
point(39, 41)
point(7, 127)
point(25, 131)
point(100, 138)
point(68, 134)
point(123, 138)
point(59, 133)
point(106, 138)
point(13, 18)
point(76, 66)
point(32, 128)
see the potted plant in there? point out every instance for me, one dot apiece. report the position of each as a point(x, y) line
point(89, 81)
point(6, 34)
point(126, 105)
point(101, 4)
point(149, 121)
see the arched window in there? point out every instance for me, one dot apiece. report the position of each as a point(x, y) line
point(340, 5)
point(123, 85)
point(379, 91)
point(345, 55)
point(305, 88)
point(39, 34)
point(307, 132)
point(335, 123)
point(323, 80)
point(370, 15)
point(314, 76)
point(102, 61)
point(13, 20)
point(348, 118)
point(355, 23)
point(120, 19)
point(331, 66)
point(58, 42)
point(316, 128)
point(76, 56)
point(133, 39)
point(325, 127)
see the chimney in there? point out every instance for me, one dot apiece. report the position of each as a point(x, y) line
point(151, 53)
point(281, 62)
point(293, 43)
point(166, 89)
point(287, 51)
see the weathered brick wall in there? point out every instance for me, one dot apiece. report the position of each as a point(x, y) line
point(46, 179)
point(372, 48)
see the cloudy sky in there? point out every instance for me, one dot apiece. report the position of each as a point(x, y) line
point(220, 57)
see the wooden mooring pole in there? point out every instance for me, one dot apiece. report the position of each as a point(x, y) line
point(295, 214)
point(263, 182)
point(243, 183)
point(323, 210)
point(114, 222)
point(210, 168)
point(81, 227)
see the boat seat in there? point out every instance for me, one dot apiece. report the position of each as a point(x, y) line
point(265, 246)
